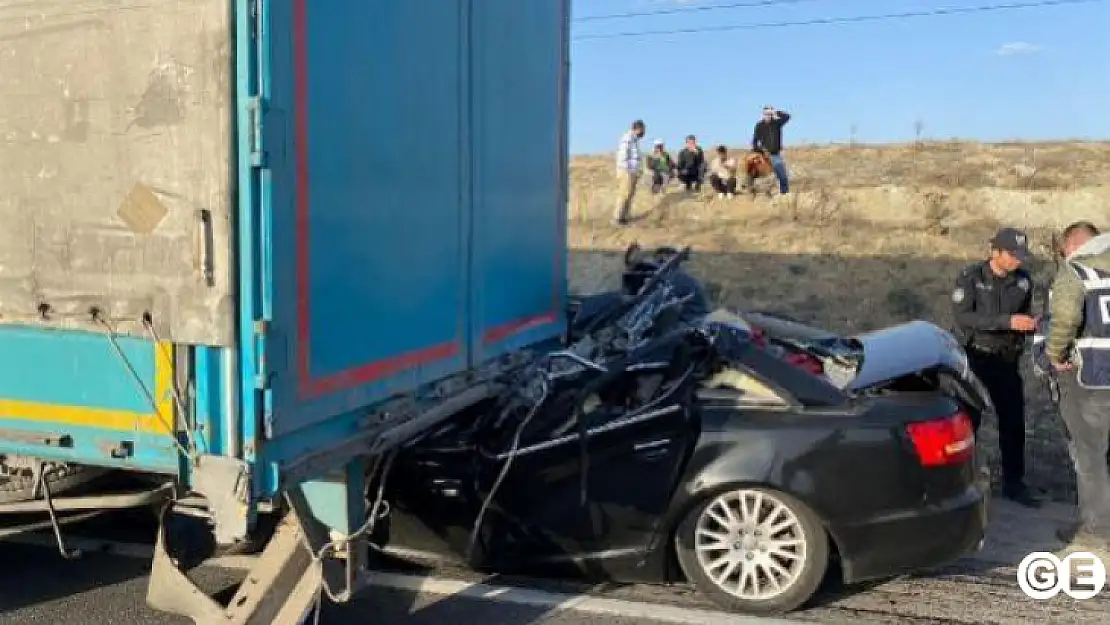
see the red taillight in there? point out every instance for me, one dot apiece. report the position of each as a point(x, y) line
point(801, 360)
point(805, 362)
point(943, 442)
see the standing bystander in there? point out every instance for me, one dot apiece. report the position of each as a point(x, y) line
point(767, 138)
point(628, 171)
point(1077, 347)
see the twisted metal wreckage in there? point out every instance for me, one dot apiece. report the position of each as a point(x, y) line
point(659, 324)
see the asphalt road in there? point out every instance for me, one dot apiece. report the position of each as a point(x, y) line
point(110, 587)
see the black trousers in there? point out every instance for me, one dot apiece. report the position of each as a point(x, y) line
point(659, 181)
point(1002, 377)
point(723, 186)
point(691, 179)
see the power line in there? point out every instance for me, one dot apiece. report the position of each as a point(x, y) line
point(751, 4)
point(842, 20)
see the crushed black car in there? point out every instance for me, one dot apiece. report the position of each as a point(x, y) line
point(745, 453)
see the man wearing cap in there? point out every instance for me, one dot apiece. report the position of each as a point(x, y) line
point(1077, 347)
point(992, 302)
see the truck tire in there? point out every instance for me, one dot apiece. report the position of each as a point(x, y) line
point(17, 485)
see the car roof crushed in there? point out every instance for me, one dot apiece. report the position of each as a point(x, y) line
point(659, 327)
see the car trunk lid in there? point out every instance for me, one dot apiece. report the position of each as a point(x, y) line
point(906, 349)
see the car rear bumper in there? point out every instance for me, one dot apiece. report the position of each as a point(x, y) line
point(913, 540)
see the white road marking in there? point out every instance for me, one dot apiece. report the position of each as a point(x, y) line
point(562, 601)
point(454, 588)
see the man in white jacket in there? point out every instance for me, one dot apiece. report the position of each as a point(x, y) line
point(628, 171)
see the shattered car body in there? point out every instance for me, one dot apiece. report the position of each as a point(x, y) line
point(744, 453)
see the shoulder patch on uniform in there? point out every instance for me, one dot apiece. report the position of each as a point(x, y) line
point(958, 295)
point(1023, 284)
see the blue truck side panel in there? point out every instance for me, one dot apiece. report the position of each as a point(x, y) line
point(518, 87)
point(367, 206)
point(416, 195)
point(68, 395)
point(215, 404)
point(74, 369)
point(251, 400)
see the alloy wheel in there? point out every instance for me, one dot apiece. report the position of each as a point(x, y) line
point(750, 544)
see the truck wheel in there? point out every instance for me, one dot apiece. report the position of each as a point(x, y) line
point(753, 550)
point(17, 482)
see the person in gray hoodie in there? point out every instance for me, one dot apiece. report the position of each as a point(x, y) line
point(1077, 348)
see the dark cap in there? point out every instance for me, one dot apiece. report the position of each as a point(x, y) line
point(1012, 240)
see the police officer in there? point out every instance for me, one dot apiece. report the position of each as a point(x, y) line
point(1077, 347)
point(992, 303)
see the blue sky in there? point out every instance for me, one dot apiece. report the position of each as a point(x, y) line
point(1038, 73)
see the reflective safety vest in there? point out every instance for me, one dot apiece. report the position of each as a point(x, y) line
point(1092, 348)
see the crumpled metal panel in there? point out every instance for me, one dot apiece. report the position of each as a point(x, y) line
point(116, 178)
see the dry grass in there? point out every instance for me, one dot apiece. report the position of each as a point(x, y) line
point(871, 235)
point(842, 252)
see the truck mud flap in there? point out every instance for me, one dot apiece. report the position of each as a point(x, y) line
point(282, 588)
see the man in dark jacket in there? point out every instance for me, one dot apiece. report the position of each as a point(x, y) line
point(767, 138)
point(992, 307)
point(691, 164)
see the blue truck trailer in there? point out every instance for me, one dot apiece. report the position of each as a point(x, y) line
point(250, 245)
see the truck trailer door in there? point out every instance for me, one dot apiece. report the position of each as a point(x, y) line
point(519, 94)
point(366, 202)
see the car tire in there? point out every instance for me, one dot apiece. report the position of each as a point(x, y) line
point(796, 552)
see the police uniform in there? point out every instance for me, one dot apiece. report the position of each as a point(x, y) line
point(983, 303)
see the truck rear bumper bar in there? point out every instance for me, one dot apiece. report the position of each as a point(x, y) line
point(283, 587)
point(115, 501)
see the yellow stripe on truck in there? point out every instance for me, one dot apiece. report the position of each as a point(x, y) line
point(107, 418)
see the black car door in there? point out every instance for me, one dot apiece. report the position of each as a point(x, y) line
point(634, 462)
point(538, 515)
point(562, 498)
